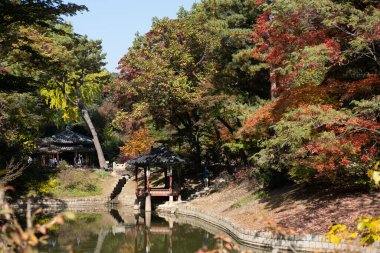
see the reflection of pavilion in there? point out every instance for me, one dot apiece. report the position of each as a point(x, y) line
point(141, 230)
point(158, 160)
point(166, 229)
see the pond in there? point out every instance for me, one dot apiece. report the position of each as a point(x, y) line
point(124, 231)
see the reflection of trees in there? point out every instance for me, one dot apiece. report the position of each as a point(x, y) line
point(187, 238)
point(113, 242)
point(93, 233)
point(83, 228)
point(82, 232)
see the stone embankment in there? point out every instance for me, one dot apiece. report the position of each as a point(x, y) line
point(252, 238)
point(122, 193)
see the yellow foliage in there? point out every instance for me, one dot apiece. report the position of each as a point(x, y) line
point(47, 187)
point(367, 229)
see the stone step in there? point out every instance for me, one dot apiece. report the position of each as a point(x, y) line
point(118, 188)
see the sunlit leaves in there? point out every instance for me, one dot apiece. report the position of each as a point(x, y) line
point(367, 231)
point(137, 144)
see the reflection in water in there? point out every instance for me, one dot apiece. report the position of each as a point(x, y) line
point(123, 231)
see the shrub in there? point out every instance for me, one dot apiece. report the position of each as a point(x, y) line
point(320, 143)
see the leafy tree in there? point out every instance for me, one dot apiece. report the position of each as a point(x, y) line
point(184, 77)
point(76, 79)
point(41, 16)
point(26, 52)
point(303, 42)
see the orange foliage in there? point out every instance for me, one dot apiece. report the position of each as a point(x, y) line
point(140, 142)
point(226, 135)
point(261, 120)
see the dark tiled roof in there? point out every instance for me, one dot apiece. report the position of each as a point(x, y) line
point(67, 137)
point(157, 156)
point(55, 149)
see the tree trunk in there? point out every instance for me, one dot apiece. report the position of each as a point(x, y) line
point(273, 84)
point(99, 243)
point(98, 147)
point(197, 153)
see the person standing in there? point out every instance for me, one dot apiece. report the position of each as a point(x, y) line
point(206, 175)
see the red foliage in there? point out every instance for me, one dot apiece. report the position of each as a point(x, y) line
point(276, 43)
point(128, 72)
point(352, 152)
point(333, 93)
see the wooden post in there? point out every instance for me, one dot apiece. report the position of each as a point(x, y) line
point(136, 205)
point(145, 179)
point(148, 219)
point(179, 176)
point(148, 199)
point(166, 177)
point(170, 184)
point(148, 179)
point(136, 179)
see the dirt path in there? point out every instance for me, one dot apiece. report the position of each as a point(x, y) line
point(296, 209)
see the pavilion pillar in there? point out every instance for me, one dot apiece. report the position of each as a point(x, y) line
point(166, 177)
point(148, 219)
point(136, 205)
point(170, 184)
point(148, 199)
point(145, 179)
point(136, 179)
point(179, 176)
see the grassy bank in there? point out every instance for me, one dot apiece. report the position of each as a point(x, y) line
point(61, 182)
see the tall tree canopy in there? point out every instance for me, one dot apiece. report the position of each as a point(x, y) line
point(41, 57)
point(202, 83)
point(184, 74)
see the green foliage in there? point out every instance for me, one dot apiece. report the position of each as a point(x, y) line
point(20, 121)
point(367, 108)
point(296, 128)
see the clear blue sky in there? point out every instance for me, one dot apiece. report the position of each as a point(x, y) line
point(116, 22)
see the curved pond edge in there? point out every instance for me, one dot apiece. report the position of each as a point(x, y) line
point(253, 238)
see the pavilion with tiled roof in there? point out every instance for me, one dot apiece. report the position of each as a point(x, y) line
point(74, 148)
point(156, 160)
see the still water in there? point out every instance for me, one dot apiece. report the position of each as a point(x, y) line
point(117, 231)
